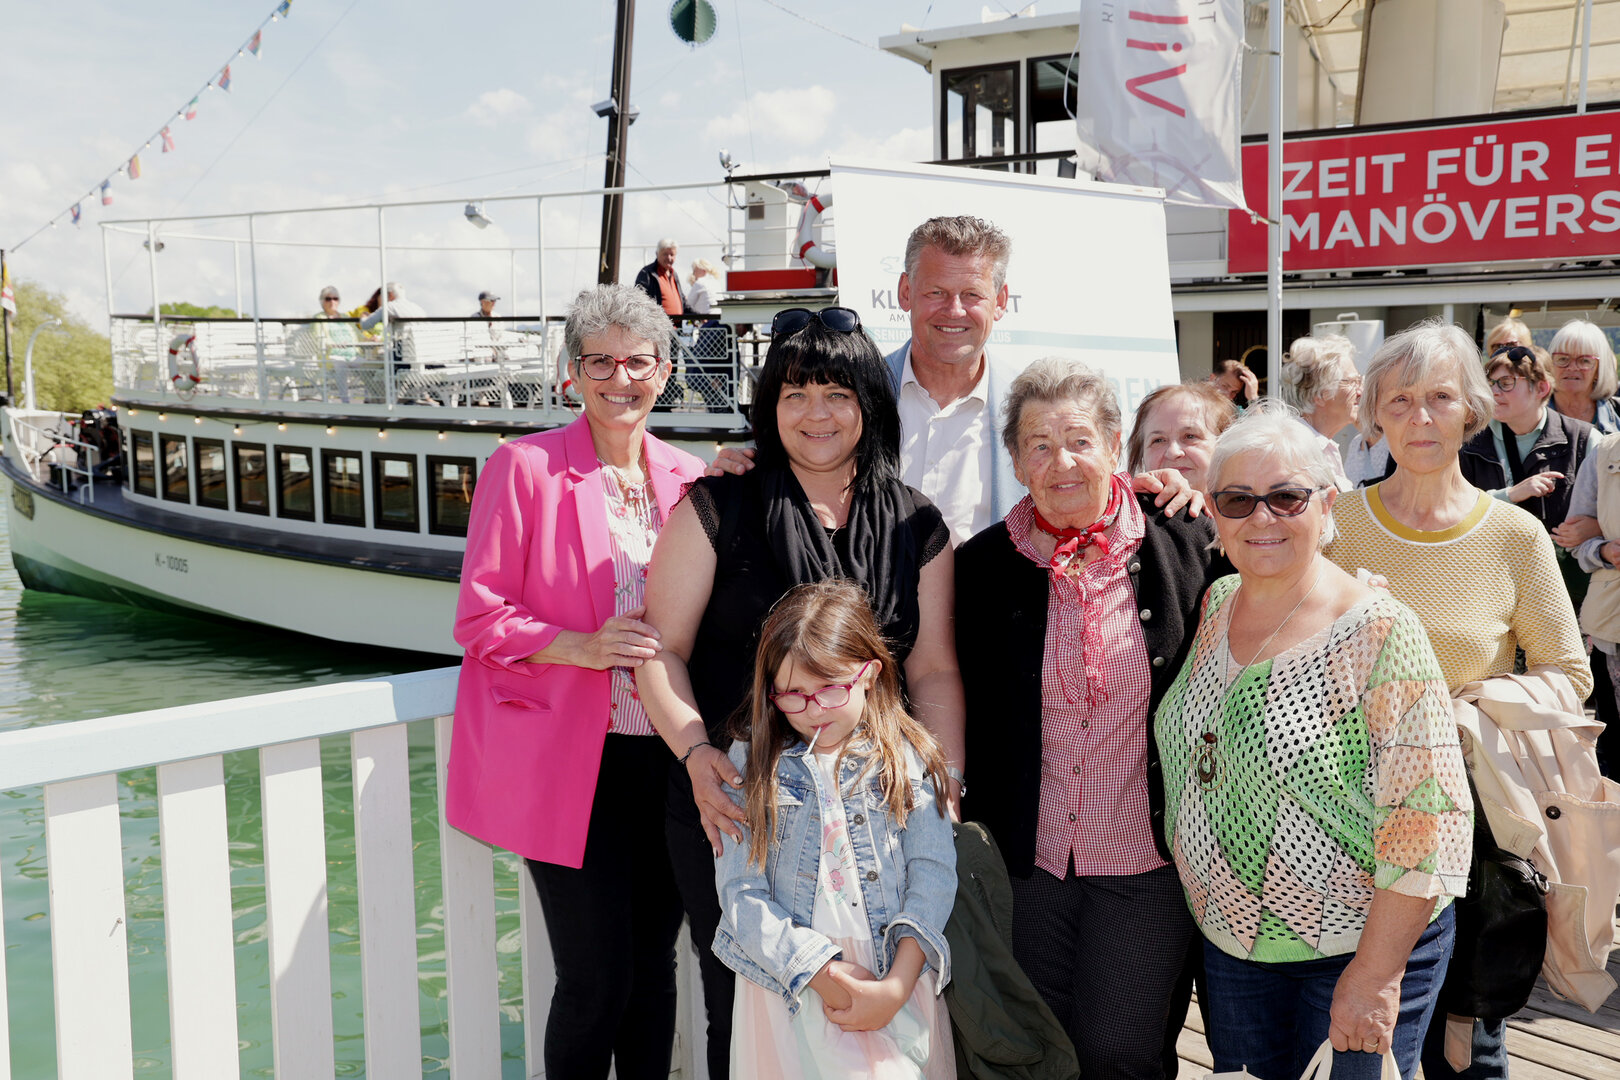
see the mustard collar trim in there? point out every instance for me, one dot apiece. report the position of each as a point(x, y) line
point(1381, 514)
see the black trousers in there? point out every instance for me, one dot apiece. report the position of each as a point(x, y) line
point(1106, 952)
point(612, 925)
point(693, 861)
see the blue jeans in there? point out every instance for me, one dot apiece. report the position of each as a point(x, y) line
point(1270, 1018)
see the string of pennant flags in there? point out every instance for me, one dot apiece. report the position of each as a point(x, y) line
point(131, 168)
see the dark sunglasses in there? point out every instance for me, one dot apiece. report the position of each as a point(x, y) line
point(1284, 502)
point(1516, 354)
point(840, 320)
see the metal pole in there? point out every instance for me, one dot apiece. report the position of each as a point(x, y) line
point(5, 328)
point(258, 328)
point(540, 290)
point(387, 350)
point(1275, 16)
point(157, 305)
point(236, 268)
point(1586, 53)
point(511, 270)
point(617, 144)
point(106, 271)
point(28, 360)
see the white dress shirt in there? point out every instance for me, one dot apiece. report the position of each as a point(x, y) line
point(945, 453)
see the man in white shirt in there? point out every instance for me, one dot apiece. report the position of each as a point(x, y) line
point(403, 336)
point(949, 388)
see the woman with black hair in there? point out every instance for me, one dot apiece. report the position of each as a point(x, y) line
point(824, 502)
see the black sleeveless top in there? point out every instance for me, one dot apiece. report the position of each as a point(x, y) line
point(749, 579)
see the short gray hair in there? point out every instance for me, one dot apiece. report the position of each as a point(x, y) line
point(1310, 371)
point(969, 236)
point(1581, 338)
point(1055, 379)
point(1413, 357)
point(395, 290)
point(666, 243)
point(624, 307)
point(1275, 429)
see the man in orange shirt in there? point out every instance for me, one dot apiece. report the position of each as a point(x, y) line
point(659, 280)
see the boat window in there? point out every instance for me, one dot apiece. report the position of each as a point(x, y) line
point(252, 478)
point(393, 491)
point(979, 111)
point(1049, 127)
point(208, 459)
point(145, 466)
point(176, 473)
point(450, 488)
point(342, 488)
point(295, 483)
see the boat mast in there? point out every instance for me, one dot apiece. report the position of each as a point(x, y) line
point(607, 271)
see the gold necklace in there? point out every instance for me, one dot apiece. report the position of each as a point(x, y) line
point(1207, 763)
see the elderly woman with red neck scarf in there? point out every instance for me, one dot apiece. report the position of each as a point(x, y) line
point(1072, 618)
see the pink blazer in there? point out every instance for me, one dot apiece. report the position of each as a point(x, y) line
point(527, 741)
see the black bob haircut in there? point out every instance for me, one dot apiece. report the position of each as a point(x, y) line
point(821, 356)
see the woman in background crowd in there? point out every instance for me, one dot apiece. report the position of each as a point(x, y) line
point(1584, 378)
point(1507, 332)
point(1176, 428)
point(1319, 378)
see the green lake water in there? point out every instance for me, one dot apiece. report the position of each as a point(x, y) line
point(64, 659)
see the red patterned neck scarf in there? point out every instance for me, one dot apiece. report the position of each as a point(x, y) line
point(1072, 541)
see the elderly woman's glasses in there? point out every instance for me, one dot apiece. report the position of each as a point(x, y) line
point(1568, 360)
point(1284, 502)
point(1505, 384)
point(835, 696)
point(600, 366)
point(840, 320)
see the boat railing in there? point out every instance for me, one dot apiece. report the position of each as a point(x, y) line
point(84, 767)
point(429, 364)
point(52, 454)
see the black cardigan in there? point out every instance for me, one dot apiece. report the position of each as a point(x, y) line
point(1001, 642)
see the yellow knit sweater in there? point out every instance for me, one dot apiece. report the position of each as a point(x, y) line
point(1480, 588)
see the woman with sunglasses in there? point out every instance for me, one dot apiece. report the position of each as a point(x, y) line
point(1479, 572)
point(824, 501)
point(1319, 821)
point(1072, 616)
point(1584, 377)
point(553, 756)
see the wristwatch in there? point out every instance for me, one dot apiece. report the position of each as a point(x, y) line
point(956, 774)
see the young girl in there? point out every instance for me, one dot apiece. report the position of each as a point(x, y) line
point(846, 871)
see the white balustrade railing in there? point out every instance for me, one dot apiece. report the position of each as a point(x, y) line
point(52, 454)
point(79, 765)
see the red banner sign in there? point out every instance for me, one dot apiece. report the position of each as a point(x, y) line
point(1537, 188)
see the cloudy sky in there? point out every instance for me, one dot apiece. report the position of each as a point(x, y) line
point(359, 101)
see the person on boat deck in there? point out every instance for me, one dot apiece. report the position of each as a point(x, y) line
point(486, 310)
point(660, 280)
point(333, 343)
point(552, 754)
point(396, 308)
point(486, 305)
point(950, 387)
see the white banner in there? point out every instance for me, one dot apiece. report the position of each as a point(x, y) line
point(1158, 85)
point(1089, 275)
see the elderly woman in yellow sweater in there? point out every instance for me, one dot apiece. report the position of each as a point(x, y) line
point(1479, 572)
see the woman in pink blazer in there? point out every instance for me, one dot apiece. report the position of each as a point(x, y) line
point(552, 754)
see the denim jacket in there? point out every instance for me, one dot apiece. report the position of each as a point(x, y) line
point(908, 877)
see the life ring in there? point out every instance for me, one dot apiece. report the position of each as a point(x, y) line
point(184, 371)
point(804, 243)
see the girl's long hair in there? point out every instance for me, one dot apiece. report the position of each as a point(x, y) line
point(826, 628)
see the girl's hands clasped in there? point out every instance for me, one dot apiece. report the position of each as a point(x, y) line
point(873, 1002)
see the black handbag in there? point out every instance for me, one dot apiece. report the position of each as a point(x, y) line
point(1501, 930)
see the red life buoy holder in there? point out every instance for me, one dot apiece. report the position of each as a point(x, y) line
point(184, 372)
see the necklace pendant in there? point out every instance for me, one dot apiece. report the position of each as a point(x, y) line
point(1206, 765)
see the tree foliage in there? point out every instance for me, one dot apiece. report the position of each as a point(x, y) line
point(72, 364)
point(184, 310)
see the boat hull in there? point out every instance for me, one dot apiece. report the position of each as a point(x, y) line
point(59, 546)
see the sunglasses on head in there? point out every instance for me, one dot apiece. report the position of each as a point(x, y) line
point(1516, 354)
point(1284, 502)
point(840, 320)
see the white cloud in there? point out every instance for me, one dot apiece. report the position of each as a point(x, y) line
point(493, 106)
point(792, 115)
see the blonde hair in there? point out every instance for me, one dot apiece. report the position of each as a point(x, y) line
point(1509, 327)
point(704, 265)
point(1310, 371)
point(826, 628)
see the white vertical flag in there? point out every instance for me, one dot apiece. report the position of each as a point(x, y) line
point(1157, 96)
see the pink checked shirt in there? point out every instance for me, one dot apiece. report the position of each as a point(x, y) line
point(1095, 683)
